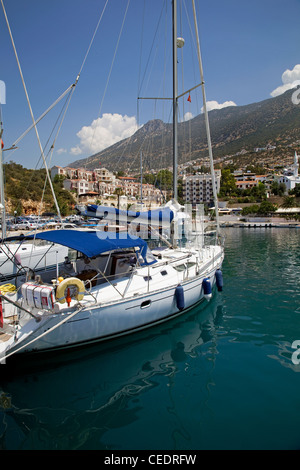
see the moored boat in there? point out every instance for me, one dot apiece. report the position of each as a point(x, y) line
point(116, 286)
point(112, 284)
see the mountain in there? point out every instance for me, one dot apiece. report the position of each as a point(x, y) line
point(273, 121)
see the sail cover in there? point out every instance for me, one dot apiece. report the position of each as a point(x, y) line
point(93, 243)
point(161, 217)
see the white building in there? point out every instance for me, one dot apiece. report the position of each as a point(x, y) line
point(100, 182)
point(198, 189)
point(84, 181)
point(290, 176)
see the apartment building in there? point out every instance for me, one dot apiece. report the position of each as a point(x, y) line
point(131, 187)
point(198, 189)
point(83, 181)
point(101, 183)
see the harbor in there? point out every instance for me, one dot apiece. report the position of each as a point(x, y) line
point(150, 216)
point(226, 377)
point(237, 222)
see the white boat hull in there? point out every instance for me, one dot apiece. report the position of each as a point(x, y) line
point(111, 319)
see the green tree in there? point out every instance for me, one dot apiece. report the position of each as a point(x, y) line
point(295, 191)
point(149, 178)
point(259, 192)
point(227, 184)
point(119, 192)
point(266, 208)
point(278, 189)
point(288, 201)
point(250, 209)
point(164, 180)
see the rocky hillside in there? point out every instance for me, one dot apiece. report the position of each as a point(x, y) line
point(26, 192)
point(273, 121)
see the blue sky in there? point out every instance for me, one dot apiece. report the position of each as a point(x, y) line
point(249, 50)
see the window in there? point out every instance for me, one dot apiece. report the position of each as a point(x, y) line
point(180, 267)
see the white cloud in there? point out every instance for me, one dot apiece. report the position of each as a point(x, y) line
point(215, 105)
point(187, 116)
point(61, 150)
point(103, 132)
point(290, 79)
point(76, 150)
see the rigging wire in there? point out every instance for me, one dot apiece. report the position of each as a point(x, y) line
point(34, 122)
point(93, 37)
point(13, 146)
point(30, 109)
point(111, 66)
point(209, 144)
point(188, 152)
point(141, 82)
point(70, 89)
point(66, 105)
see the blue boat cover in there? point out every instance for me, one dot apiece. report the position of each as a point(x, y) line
point(93, 243)
point(156, 216)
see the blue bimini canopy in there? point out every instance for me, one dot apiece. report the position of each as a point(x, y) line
point(93, 243)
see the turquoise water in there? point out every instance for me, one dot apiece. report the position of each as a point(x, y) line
point(219, 377)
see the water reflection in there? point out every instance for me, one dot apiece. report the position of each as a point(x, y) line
point(74, 404)
point(188, 384)
point(262, 284)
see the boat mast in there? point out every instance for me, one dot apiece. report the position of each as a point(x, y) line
point(141, 160)
point(175, 100)
point(2, 196)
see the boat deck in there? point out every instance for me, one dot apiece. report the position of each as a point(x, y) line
point(4, 337)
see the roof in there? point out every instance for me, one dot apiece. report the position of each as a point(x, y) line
point(126, 178)
point(95, 242)
point(246, 182)
point(288, 210)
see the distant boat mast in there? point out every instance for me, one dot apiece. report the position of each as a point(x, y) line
point(175, 101)
point(207, 123)
point(2, 196)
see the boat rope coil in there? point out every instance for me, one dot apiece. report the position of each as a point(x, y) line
point(8, 288)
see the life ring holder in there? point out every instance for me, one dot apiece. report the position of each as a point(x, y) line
point(70, 281)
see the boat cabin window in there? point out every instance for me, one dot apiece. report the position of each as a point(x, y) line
point(190, 264)
point(180, 267)
point(72, 254)
point(102, 268)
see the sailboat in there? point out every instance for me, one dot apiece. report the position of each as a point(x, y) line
point(113, 283)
